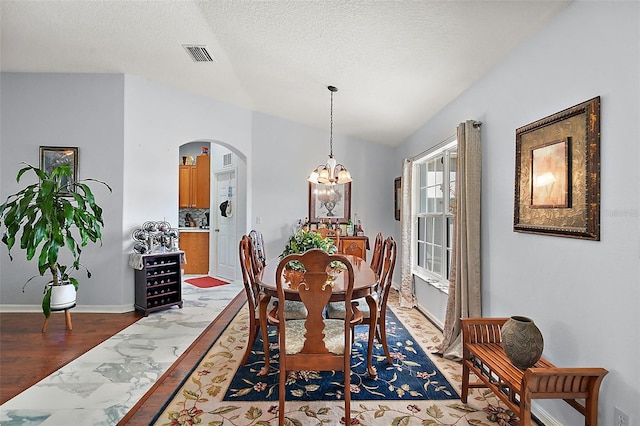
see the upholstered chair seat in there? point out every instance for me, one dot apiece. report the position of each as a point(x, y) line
point(333, 336)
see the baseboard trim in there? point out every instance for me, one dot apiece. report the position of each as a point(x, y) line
point(92, 309)
point(543, 416)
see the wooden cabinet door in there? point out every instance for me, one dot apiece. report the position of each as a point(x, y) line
point(186, 175)
point(196, 248)
point(354, 247)
point(202, 178)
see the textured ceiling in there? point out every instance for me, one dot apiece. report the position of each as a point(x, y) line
point(395, 63)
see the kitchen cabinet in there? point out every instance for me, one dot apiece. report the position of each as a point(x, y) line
point(195, 244)
point(158, 285)
point(194, 184)
point(355, 246)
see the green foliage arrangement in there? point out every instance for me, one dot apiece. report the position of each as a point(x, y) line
point(49, 216)
point(302, 241)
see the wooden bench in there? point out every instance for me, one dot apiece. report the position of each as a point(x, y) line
point(485, 357)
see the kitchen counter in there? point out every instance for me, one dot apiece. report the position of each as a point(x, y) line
point(193, 229)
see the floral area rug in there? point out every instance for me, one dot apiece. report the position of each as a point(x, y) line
point(418, 389)
point(412, 376)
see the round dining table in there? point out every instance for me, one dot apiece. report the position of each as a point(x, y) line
point(364, 282)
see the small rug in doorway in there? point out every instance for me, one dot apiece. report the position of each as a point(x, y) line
point(205, 282)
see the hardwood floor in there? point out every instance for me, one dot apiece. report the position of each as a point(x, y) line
point(27, 355)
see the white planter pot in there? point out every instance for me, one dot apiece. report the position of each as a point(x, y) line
point(63, 296)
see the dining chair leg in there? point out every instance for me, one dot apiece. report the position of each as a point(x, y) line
point(253, 332)
point(263, 304)
point(382, 328)
point(373, 320)
point(281, 394)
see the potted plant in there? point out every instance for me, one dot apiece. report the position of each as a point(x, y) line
point(47, 217)
point(300, 242)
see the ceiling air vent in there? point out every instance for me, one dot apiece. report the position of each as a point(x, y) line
point(198, 53)
point(226, 160)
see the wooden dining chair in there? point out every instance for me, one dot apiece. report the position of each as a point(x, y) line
point(334, 234)
point(376, 254)
point(315, 343)
point(294, 310)
point(378, 327)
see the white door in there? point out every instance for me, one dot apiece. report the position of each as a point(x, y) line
point(225, 228)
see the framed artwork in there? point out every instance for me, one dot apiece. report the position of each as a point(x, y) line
point(53, 156)
point(557, 186)
point(397, 196)
point(329, 202)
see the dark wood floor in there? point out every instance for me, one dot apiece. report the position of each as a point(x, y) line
point(27, 355)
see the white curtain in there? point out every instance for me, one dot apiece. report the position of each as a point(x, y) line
point(465, 281)
point(407, 299)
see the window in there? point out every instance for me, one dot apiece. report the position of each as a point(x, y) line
point(434, 198)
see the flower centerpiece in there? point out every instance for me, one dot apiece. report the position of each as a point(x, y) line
point(301, 241)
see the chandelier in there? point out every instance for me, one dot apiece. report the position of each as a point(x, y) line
point(331, 172)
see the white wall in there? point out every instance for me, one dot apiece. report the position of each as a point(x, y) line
point(583, 295)
point(285, 153)
point(140, 152)
point(85, 111)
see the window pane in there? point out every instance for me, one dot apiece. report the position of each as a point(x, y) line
point(429, 230)
point(423, 175)
point(429, 264)
point(437, 230)
point(421, 255)
point(423, 200)
point(421, 228)
point(437, 260)
point(439, 170)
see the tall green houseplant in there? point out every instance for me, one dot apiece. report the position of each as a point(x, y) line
point(49, 216)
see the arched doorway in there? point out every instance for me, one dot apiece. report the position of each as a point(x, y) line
point(219, 228)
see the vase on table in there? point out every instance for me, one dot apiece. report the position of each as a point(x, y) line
point(522, 341)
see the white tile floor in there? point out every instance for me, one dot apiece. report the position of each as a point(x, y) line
point(101, 386)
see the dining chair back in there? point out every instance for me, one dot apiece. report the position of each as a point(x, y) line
point(293, 309)
point(384, 285)
point(376, 254)
point(259, 255)
point(315, 343)
point(334, 234)
point(252, 290)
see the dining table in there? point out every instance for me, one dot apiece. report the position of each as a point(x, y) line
point(364, 282)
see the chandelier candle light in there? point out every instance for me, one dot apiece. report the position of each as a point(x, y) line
point(331, 172)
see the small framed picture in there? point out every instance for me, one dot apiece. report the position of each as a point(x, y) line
point(397, 197)
point(54, 156)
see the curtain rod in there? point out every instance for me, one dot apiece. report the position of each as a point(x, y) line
point(433, 148)
point(441, 144)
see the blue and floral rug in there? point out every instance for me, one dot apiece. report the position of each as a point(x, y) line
point(419, 389)
point(412, 376)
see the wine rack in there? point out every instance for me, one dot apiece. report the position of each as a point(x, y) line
point(159, 283)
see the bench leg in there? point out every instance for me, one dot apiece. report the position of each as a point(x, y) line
point(591, 407)
point(465, 382)
point(525, 408)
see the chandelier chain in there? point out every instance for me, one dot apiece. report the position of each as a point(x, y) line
point(331, 132)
